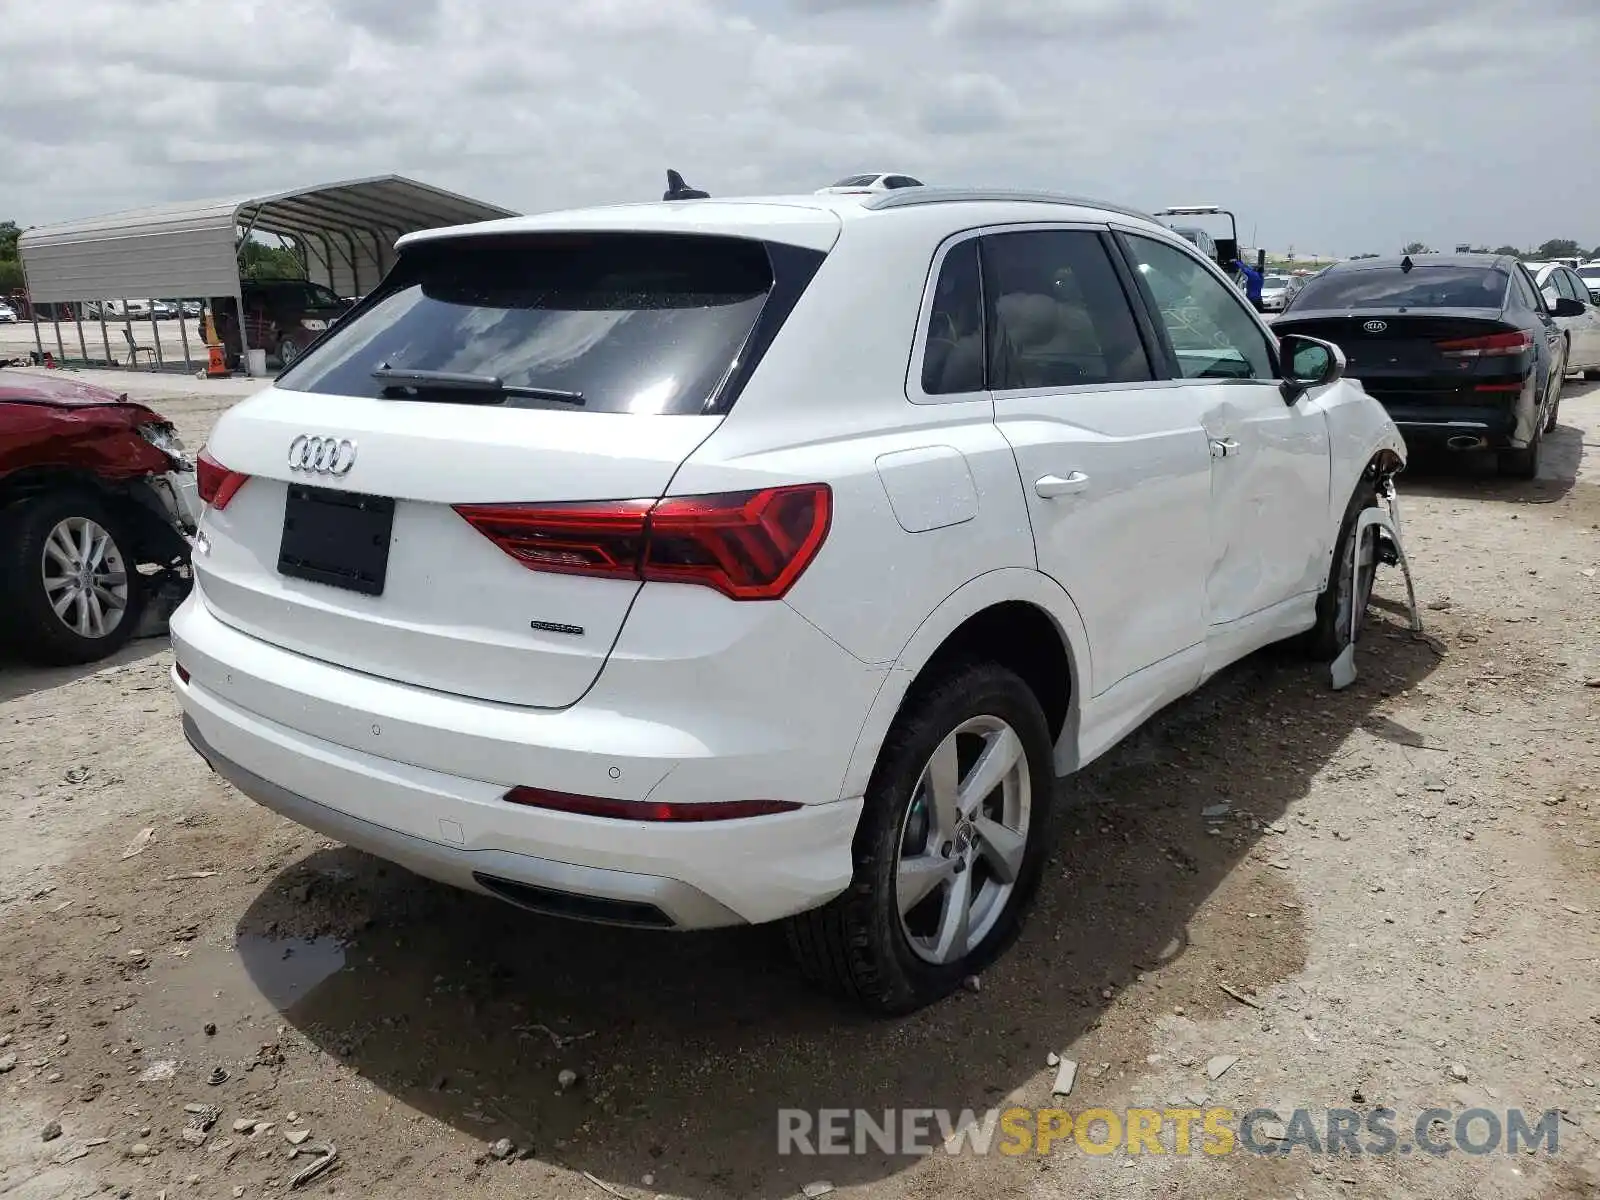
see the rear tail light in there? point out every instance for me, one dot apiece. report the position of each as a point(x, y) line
point(216, 483)
point(1498, 387)
point(646, 810)
point(1494, 345)
point(183, 672)
point(746, 545)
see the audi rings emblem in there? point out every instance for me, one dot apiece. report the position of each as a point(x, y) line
point(324, 455)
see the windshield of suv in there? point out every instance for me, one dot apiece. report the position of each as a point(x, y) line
point(1421, 287)
point(628, 322)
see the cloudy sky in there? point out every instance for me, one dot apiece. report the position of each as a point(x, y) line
point(1332, 125)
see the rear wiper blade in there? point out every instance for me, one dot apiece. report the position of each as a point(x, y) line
point(461, 381)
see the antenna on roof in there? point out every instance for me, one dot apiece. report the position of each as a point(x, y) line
point(677, 189)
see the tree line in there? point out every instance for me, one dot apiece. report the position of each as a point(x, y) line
point(1554, 248)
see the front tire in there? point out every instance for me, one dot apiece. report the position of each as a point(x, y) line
point(1331, 634)
point(70, 589)
point(948, 854)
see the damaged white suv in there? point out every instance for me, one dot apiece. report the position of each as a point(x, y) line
point(723, 561)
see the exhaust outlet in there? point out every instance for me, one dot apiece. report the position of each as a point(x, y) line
point(1467, 442)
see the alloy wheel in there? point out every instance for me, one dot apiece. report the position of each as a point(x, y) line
point(85, 577)
point(963, 840)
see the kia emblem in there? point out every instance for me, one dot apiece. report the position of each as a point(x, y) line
point(1375, 326)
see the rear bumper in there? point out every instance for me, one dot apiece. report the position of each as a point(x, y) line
point(542, 884)
point(419, 777)
point(1502, 421)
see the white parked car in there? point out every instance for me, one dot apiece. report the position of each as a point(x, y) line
point(1556, 281)
point(1590, 274)
point(1278, 290)
point(873, 181)
point(8, 315)
point(747, 560)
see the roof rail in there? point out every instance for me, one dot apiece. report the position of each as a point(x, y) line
point(911, 197)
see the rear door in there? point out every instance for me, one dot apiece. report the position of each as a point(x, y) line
point(346, 542)
point(1269, 534)
point(1113, 464)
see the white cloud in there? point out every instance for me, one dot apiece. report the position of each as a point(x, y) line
point(1344, 124)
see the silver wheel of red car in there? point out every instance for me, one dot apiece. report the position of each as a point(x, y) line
point(288, 352)
point(85, 577)
point(70, 590)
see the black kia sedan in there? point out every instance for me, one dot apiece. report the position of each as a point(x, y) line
point(1461, 349)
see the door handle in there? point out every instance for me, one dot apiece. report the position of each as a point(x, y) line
point(1051, 486)
point(1224, 448)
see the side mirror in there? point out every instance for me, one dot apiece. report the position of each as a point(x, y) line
point(1308, 362)
point(1562, 306)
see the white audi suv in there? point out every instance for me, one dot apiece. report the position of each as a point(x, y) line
point(687, 565)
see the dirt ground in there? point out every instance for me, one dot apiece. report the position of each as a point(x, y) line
point(1404, 889)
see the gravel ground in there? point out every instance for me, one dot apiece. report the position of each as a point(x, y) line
point(1403, 896)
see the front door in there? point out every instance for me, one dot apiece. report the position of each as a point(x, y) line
point(1114, 464)
point(1270, 533)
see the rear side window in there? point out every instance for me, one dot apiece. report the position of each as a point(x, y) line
point(952, 361)
point(1056, 312)
point(1524, 285)
point(1444, 286)
point(629, 322)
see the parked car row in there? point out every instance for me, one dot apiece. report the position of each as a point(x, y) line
point(1466, 351)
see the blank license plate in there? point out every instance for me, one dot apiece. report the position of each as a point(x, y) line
point(340, 539)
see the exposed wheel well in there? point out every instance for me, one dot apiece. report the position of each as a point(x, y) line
point(1021, 637)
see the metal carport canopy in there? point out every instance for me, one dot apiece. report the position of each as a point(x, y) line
point(189, 249)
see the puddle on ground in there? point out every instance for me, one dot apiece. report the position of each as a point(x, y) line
point(286, 969)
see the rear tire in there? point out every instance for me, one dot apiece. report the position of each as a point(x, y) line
point(39, 569)
point(1331, 634)
point(892, 958)
point(1591, 376)
point(1556, 384)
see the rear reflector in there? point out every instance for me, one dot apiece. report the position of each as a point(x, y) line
point(644, 810)
point(1498, 387)
point(746, 545)
point(1494, 345)
point(183, 672)
point(216, 484)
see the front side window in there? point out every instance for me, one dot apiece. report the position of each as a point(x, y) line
point(1567, 284)
point(952, 359)
point(607, 322)
point(1213, 334)
point(1056, 312)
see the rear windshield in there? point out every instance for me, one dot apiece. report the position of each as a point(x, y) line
point(1421, 287)
point(1589, 272)
point(640, 323)
point(856, 181)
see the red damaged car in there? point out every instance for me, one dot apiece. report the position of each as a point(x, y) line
point(97, 505)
